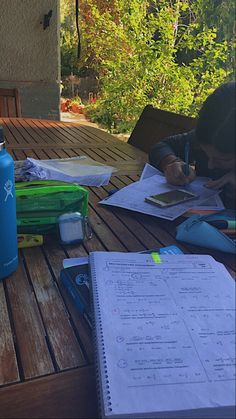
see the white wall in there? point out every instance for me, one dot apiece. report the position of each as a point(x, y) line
point(30, 55)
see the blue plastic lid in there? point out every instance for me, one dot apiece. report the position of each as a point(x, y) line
point(70, 216)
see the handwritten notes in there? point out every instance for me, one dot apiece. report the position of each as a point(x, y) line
point(166, 341)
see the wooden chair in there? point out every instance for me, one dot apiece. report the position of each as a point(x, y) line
point(10, 103)
point(155, 125)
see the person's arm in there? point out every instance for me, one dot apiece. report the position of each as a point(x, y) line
point(171, 147)
point(168, 156)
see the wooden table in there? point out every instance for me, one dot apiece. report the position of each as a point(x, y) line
point(46, 351)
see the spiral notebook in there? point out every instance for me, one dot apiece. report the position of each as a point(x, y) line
point(164, 335)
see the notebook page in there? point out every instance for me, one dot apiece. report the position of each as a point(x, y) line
point(165, 333)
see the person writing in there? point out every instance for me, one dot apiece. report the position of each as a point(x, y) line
point(209, 150)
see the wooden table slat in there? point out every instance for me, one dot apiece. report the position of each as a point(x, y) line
point(33, 133)
point(8, 364)
point(130, 242)
point(65, 347)
point(70, 394)
point(22, 133)
point(34, 355)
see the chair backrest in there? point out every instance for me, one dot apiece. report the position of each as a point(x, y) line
point(10, 103)
point(154, 125)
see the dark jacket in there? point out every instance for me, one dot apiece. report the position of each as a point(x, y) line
point(176, 145)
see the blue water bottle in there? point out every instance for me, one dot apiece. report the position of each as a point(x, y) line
point(8, 232)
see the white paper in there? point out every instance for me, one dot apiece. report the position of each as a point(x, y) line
point(80, 169)
point(213, 204)
point(67, 263)
point(165, 334)
point(132, 197)
point(149, 171)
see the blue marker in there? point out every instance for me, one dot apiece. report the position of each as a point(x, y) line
point(186, 158)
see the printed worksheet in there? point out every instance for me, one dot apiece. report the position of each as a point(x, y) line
point(167, 330)
point(132, 197)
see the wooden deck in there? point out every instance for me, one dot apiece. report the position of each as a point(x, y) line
point(46, 350)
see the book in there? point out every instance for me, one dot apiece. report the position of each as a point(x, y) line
point(76, 281)
point(164, 335)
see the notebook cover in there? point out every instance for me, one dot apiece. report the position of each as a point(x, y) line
point(75, 280)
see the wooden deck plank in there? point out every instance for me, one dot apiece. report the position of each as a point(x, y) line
point(130, 151)
point(22, 133)
point(42, 132)
point(8, 134)
point(119, 153)
point(88, 135)
point(148, 240)
point(66, 348)
point(74, 135)
point(33, 132)
point(20, 155)
point(70, 135)
point(105, 234)
point(129, 241)
point(34, 354)
point(97, 134)
point(111, 154)
point(47, 132)
point(92, 152)
point(71, 394)
point(8, 364)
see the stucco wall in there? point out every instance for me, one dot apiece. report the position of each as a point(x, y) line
point(30, 55)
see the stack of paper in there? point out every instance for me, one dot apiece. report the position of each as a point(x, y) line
point(80, 169)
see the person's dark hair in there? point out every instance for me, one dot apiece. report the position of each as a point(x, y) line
point(216, 122)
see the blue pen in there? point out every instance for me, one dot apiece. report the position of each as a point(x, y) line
point(186, 158)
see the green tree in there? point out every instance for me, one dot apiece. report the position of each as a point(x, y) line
point(169, 53)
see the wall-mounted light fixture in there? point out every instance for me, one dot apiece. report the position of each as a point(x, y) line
point(46, 20)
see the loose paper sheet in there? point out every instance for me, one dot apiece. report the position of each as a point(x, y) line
point(213, 204)
point(132, 197)
point(168, 331)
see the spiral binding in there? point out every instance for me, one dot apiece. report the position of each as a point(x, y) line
point(102, 379)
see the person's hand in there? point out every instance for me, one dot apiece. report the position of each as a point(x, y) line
point(227, 180)
point(174, 173)
point(228, 183)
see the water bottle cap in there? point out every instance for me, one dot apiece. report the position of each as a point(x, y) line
point(2, 142)
point(2, 145)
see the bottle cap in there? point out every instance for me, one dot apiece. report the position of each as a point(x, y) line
point(2, 142)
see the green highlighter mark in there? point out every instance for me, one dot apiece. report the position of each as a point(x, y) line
point(156, 257)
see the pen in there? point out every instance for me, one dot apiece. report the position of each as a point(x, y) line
point(223, 224)
point(186, 158)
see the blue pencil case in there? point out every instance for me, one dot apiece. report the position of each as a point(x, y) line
point(196, 230)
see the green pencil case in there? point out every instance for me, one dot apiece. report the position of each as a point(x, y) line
point(40, 203)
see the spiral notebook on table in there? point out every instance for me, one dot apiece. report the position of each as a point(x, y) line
point(164, 335)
